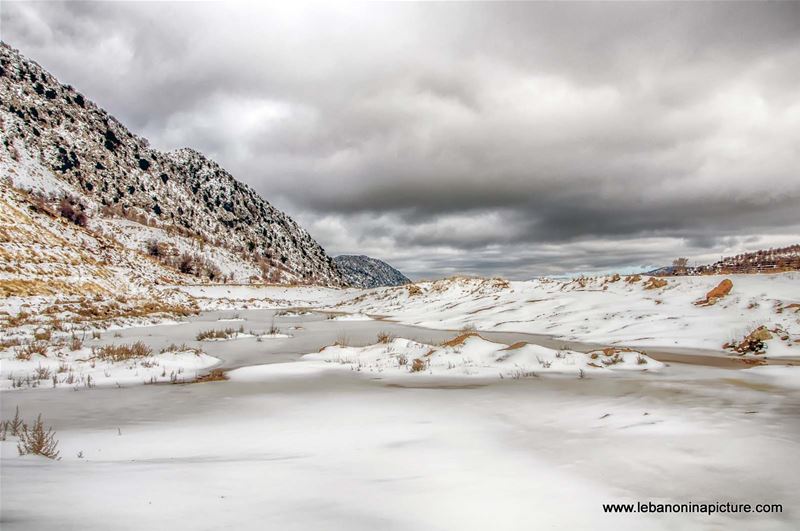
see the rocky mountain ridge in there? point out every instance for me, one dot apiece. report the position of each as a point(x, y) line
point(365, 272)
point(72, 154)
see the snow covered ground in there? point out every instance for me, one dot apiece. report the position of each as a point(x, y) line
point(66, 365)
point(337, 450)
point(603, 309)
point(470, 355)
point(611, 310)
point(334, 427)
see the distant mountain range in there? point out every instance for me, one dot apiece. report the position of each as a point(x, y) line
point(182, 210)
point(365, 272)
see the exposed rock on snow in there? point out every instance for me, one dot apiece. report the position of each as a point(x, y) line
point(755, 342)
point(655, 283)
point(721, 290)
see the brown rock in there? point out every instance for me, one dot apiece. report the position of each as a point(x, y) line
point(761, 334)
point(655, 283)
point(753, 342)
point(722, 289)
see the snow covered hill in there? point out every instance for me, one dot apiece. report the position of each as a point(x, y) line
point(752, 314)
point(365, 272)
point(180, 208)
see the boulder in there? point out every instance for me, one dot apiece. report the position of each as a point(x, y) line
point(655, 283)
point(722, 289)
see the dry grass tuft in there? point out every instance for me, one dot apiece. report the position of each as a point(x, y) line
point(10, 342)
point(43, 334)
point(122, 352)
point(227, 333)
point(18, 320)
point(183, 347)
point(28, 351)
point(418, 365)
point(31, 288)
point(216, 375)
point(385, 337)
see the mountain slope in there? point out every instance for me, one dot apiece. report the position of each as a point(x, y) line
point(59, 145)
point(365, 272)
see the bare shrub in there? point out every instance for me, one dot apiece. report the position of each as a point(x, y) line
point(75, 343)
point(156, 249)
point(73, 211)
point(28, 351)
point(37, 441)
point(187, 264)
point(42, 373)
point(402, 360)
point(13, 426)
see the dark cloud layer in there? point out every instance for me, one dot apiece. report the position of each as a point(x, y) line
point(513, 139)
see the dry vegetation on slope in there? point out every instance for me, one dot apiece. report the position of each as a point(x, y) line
point(58, 276)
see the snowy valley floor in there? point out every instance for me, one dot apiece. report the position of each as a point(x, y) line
point(348, 438)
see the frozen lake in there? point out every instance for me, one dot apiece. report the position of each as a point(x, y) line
point(343, 450)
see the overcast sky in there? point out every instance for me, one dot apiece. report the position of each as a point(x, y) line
point(511, 139)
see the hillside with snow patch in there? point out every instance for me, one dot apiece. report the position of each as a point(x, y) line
point(179, 206)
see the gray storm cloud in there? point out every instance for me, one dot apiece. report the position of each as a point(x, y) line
point(513, 139)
